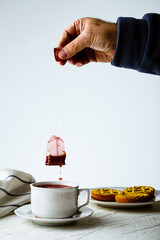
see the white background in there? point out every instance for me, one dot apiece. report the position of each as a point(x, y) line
point(109, 117)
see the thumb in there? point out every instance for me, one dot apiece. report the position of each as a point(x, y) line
point(72, 48)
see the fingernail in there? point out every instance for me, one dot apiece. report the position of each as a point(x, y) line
point(62, 54)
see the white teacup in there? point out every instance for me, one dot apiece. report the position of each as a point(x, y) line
point(55, 199)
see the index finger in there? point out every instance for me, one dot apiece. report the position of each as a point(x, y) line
point(70, 33)
point(65, 39)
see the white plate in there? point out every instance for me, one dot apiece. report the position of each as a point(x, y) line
point(25, 212)
point(126, 205)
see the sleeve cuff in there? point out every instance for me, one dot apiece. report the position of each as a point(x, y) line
point(131, 41)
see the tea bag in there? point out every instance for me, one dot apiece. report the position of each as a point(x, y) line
point(56, 154)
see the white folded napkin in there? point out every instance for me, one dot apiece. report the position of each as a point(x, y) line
point(14, 190)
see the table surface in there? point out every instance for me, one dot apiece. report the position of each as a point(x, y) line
point(104, 224)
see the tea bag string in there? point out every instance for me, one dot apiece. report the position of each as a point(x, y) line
point(56, 112)
point(57, 103)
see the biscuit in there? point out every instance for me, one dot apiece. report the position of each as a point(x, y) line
point(104, 194)
point(132, 197)
point(141, 189)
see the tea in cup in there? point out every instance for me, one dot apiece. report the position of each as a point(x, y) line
point(54, 199)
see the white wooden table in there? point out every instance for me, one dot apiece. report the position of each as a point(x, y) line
point(104, 224)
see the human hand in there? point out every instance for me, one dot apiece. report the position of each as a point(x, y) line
point(87, 40)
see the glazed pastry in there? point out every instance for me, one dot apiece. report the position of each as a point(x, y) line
point(104, 194)
point(132, 197)
point(141, 189)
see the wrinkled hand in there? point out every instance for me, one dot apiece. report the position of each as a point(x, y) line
point(88, 40)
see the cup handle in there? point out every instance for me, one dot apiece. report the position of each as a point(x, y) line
point(88, 196)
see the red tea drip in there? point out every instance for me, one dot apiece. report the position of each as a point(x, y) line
point(60, 177)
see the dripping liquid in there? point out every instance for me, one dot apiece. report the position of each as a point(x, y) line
point(60, 173)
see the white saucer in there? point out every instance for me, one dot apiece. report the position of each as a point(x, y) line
point(126, 205)
point(25, 212)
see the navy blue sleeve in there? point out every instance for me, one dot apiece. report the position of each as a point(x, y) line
point(138, 44)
